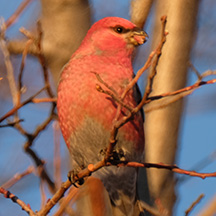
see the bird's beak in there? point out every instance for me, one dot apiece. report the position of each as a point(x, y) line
point(137, 36)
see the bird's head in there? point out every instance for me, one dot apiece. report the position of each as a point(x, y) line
point(112, 34)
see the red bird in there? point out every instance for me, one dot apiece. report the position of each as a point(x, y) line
point(86, 115)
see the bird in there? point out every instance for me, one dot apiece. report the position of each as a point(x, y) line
point(86, 115)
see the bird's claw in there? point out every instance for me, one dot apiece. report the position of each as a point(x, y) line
point(117, 155)
point(73, 176)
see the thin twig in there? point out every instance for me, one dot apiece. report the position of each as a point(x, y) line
point(24, 54)
point(70, 198)
point(188, 88)
point(57, 154)
point(15, 199)
point(120, 122)
point(16, 14)
point(42, 192)
point(27, 101)
point(43, 62)
point(12, 124)
point(113, 96)
point(57, 196)
point(17, 177)
point(194, 204)
point(195, 71)
point(153, 72)
point(94, 167)
point(166, 102)
point(104, 83)
point(8, 64)
point(44, 100)
point(148, 62)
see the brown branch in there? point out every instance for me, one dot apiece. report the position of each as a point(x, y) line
point(17, 104)
point(64, 187)
point(94, 167)
point(14, 109)
point(17, 177)
point(120, 122)
point(8, 64)
point(42, 192)
point(148, 63)
point(16, 14)
point(188, 88)
point(113, 96)
point(31, 137)
point(24, 54)
point(57, 154)
point(86, 172)
point(194, 204)
point(15, 199)
point(27, 147)
point(195, 71)
point(57, 196)
point(42, 171)
point(41, 58)
point(153, 72)
point(42, 126)
point(208, 73)
point(39, 129)
point(172, 168)
point(71, 197)
point(12, 124)
point(104, 83)
point(43, 62)
point(181, 92)
point(44, 100)
point(167, 102)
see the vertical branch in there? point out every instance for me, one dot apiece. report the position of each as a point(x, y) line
point(57, 156)
point(24, 54)
point(43, 194)
point(43, 62)
point(8, 64)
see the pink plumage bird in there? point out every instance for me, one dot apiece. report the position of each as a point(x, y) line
point(86, 115)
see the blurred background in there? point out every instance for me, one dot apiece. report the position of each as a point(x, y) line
point(67, 22)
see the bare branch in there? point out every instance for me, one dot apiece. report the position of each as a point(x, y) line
point(8, 64)
point(57, 154)
point(17, 177)
point(15, 199)
point(16, 14)
point(194, 204)
point(57, 196)
point(70, 198)
point(14, 109)
point(11, 124)
point(25, 51)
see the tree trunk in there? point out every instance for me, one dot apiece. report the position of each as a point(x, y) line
point(162, 125)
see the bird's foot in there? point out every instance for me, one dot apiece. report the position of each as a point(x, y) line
point(117, 155)
point(73, 176)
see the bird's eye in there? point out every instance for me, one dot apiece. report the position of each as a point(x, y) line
point(120, 29)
